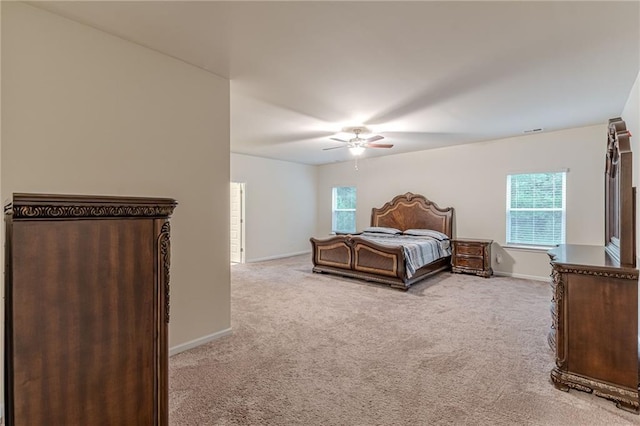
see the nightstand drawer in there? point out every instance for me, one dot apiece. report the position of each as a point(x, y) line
point(469, 262)
point(469, 249)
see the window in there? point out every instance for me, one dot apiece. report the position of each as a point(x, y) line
point(344, 209)
point(536, 209)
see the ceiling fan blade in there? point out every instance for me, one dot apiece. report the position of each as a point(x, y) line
point(339, 140)
point(334, 147)
point(374, 138)
point(379, 145)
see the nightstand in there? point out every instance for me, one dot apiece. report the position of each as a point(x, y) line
point(471, 256)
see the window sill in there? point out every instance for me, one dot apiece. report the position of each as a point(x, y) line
point(537, 249)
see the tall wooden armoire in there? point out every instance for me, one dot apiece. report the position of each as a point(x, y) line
point(86, 310)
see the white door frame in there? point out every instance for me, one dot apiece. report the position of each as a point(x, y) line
point(237, 222)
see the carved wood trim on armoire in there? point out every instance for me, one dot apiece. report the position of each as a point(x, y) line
point(86, 310)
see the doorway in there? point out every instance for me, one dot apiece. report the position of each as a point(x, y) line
point(237, 222)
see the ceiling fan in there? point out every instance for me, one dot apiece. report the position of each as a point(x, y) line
point(357, 145)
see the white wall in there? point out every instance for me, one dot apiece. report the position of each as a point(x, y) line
point(84, 112)
point(280, 205)
point(631, 116)
point(472, 179)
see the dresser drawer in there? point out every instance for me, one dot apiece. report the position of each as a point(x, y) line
point(469, 249)
point(469, 262)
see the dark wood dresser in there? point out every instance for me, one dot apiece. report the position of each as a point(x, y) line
point(471, 256)
point(594, 307)
point(86, 310)
point(594, 328)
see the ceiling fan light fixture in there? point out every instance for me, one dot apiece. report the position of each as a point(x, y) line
point(356, 144)
point(356, 150)
point(356, 129)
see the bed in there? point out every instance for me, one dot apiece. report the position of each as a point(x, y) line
point(385, 251)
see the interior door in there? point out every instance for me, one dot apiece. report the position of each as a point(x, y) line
point(237, 222)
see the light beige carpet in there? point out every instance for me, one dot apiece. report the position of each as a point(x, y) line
point(312, 349)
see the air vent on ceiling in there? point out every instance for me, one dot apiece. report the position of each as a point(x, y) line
point(538, 130)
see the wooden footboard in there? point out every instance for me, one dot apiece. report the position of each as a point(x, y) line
point(378, 259)
point(333, 252)
point(355, 257)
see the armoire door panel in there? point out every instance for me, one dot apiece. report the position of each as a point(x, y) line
point(86, 322)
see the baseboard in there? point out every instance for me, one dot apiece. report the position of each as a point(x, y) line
point(279, 256)
point(523, 276)
point(198, 342)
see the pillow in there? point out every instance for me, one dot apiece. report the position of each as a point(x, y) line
point(427, 233)
point(382, 230)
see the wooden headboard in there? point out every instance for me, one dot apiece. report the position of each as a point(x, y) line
point(411, 211)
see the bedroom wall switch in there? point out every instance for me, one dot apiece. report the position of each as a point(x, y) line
point(499, 258)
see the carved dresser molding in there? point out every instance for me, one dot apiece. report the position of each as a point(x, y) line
point(87, 284)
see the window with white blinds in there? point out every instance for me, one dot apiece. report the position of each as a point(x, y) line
point(536, 209)
point(343, 209)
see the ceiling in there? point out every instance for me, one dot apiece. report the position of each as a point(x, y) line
point(422, 74)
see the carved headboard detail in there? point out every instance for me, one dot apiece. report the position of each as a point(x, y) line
point(411, 211)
